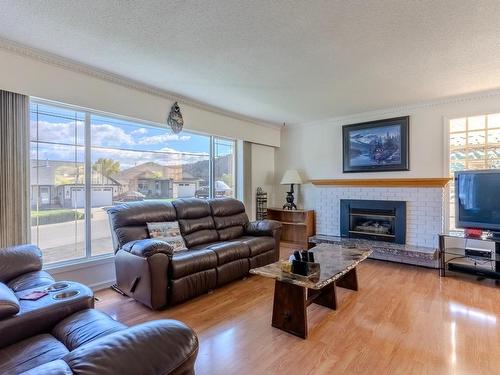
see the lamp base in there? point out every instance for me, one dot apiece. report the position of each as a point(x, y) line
point(289, 206)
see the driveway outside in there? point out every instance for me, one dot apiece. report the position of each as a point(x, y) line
point(66, 241)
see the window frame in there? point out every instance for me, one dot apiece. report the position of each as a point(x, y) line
point(213, 140)
point(87, 146)
point(446, 168)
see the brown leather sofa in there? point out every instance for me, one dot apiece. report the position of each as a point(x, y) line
point(222, 246)
point(21, 273)
point(50, 336)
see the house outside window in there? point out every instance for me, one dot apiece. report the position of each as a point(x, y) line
point(474, 143)
point(83, 162)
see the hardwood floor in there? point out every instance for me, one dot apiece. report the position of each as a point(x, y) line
point(403, 320)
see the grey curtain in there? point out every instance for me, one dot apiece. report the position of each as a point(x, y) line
point(14, 169)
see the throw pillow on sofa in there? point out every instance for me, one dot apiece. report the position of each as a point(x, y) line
point(169, 232)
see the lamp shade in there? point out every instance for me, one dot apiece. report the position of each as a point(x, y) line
point(291, 176)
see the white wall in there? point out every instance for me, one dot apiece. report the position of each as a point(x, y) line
point(45, 77)
point(316, 149)
point(96, 274)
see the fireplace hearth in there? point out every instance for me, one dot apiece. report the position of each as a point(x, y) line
point(373, 220)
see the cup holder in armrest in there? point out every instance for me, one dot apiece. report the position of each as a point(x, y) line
point(66, 294)
point(57, 286)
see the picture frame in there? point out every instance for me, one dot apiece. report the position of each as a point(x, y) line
point(376, 146)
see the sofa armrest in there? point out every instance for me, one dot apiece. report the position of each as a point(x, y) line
point(42, 315)
point(148, 247)
point(263, 228)
point(142, 272)
point(270, 228)
point(156, 347)
point(9, 304)
point(17, 260)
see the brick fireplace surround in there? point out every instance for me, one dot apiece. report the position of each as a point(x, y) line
point(424, 220)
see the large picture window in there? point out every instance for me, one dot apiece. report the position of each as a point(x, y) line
point(57, 173)
point(474, 143)
point(83, 162)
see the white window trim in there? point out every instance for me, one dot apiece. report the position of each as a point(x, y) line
point(76, 264)
point(446, 169)
point(446, 157)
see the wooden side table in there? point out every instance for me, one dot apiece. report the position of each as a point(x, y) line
point(298, 225)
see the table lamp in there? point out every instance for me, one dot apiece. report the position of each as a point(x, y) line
point(291, 177)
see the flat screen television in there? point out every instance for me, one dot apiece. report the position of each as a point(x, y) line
point(477, 199)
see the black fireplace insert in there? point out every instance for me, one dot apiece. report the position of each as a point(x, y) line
point(373, 219)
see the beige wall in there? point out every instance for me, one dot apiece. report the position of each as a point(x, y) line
point(316, 149)
point(34, 77)
point(262, 174)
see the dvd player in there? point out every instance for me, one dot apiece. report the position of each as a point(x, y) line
point(478, 253)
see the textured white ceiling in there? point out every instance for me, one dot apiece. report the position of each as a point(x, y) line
point(293, 61)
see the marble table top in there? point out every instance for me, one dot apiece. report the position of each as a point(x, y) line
point(334, 262)
point(380, 247)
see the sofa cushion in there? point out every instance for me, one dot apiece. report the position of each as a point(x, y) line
point(201, 237)
point(229, 217)
point(9, 304)
point(139, 213)
point(85, 326)
point(189, 226)
point(195, 221)
point(191, 208)
point(258, 245)
point(232, 271)
point(30, 280)
point(263, 259)
point(126, 234)
point(226, 206)
point(156, 347)
point(230, 233)
point(128, 220)
point(32, 352)
point(206, 245)
point(169, 232)
point(230, 251)
point(191, 261)
point(57, 367)
point(191, 286)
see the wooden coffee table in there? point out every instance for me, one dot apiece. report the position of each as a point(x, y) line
point(293, 293)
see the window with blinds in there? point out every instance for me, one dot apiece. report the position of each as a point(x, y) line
point(474, 143)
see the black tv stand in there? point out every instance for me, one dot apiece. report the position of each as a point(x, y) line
point(457, 254)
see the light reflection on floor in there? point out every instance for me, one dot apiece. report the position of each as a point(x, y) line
point(453, 339)
point(460, 311)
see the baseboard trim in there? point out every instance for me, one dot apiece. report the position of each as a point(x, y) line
point(78, 264)
point(102, 285)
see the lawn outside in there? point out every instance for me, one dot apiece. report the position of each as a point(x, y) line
point(53, 216)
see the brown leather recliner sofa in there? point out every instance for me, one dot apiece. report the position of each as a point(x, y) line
point(222, 246)
point(68, 336)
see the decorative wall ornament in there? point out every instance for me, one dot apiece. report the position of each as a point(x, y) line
point(175, 120)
